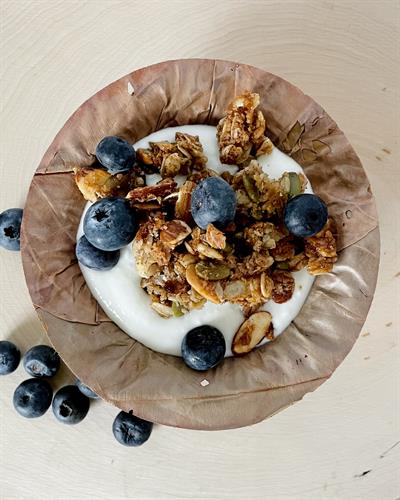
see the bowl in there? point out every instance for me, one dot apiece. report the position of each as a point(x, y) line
point(159, 387)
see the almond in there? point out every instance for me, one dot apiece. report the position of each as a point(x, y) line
point(207, 289)
point(251, 332)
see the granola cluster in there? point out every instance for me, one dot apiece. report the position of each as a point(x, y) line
point(248, 263)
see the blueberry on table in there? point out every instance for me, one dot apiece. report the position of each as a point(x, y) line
point(10, 228)
point(115, 154)
point(10, 356)
point(213, 202)
point(41, 361)
point(110, 224)
point(93, 257)
point(87, 391)
point(32, 398)
point(203, 348)
point(69, 405)
point(130, 430)
point(305, 215)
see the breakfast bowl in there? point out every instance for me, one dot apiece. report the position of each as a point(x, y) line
point(135, 375)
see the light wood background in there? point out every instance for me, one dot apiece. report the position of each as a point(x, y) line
point(340, 442)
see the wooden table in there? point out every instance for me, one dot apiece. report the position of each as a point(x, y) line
point(341, 441)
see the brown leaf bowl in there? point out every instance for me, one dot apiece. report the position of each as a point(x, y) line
point(159, 387)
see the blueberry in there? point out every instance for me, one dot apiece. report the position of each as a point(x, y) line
point(70, 406)
point(10, 228)
point(115, 154)
point(86, 390)
point(110, 224)
point(130, 430)
point(32, 398)
point(41, 361)
point(213, 202)
point(305, 215)
point(203, 347)
point(9, 357)
point(93, 257)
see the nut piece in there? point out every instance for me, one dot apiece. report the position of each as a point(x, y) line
point(151, 193)
point(215, 238)
point(206, 251)
point(266, 285)
point(182, 206)
point(206, 289)
point(174, 232)
point(163, 310)
point(212, 271)
point(283, 286)
point(251, 332)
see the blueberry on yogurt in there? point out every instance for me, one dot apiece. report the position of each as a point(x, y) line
point(213, 202)
point(110, 224)
point(115, 154)
point(203, 348)
point(93, 257)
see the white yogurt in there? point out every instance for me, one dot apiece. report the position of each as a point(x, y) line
point(119, 293)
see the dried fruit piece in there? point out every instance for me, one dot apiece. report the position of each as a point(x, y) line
point(251, 332)
point(283, 286)
point(212, 271)
point(205, 288)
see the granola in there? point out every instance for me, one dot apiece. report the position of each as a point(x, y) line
point(242, 131)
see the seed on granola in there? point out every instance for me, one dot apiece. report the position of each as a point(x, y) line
point(266, 285)
point(212, 271)
point(176, 310)
point(282, 265)
point(251, 332)
point(251, 188)
point(295, 184)
point(206, 289)
point(206, 251)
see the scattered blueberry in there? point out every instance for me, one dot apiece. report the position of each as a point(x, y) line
point(115, 154)
point(41, 361)
point(93, 257)
point(87, 391)
point(213, 201)
point(9, 357)
point(203, 347)
point(32, 398)
point(110, 224)
point(130, 430)
point(305, 215)
point(10, 228)
point(70, 406)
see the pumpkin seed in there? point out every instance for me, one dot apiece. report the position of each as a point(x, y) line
point(251, 188)
point(176, 310)
point(212, 271)
point(282, 265)
point(295, 184)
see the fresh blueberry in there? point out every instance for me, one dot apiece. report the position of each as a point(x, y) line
point(41, 361)
point(203, 348)
point(32, 398)
point(130, 430)
point(86, 390)
point(115, 154)
point(305, 215)
point(110, 224)
point(10, 228)
point(9, 357)
point(69, 405)
point(213, 202)
point(93, 257)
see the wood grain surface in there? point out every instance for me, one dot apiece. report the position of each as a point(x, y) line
point(340, 442)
